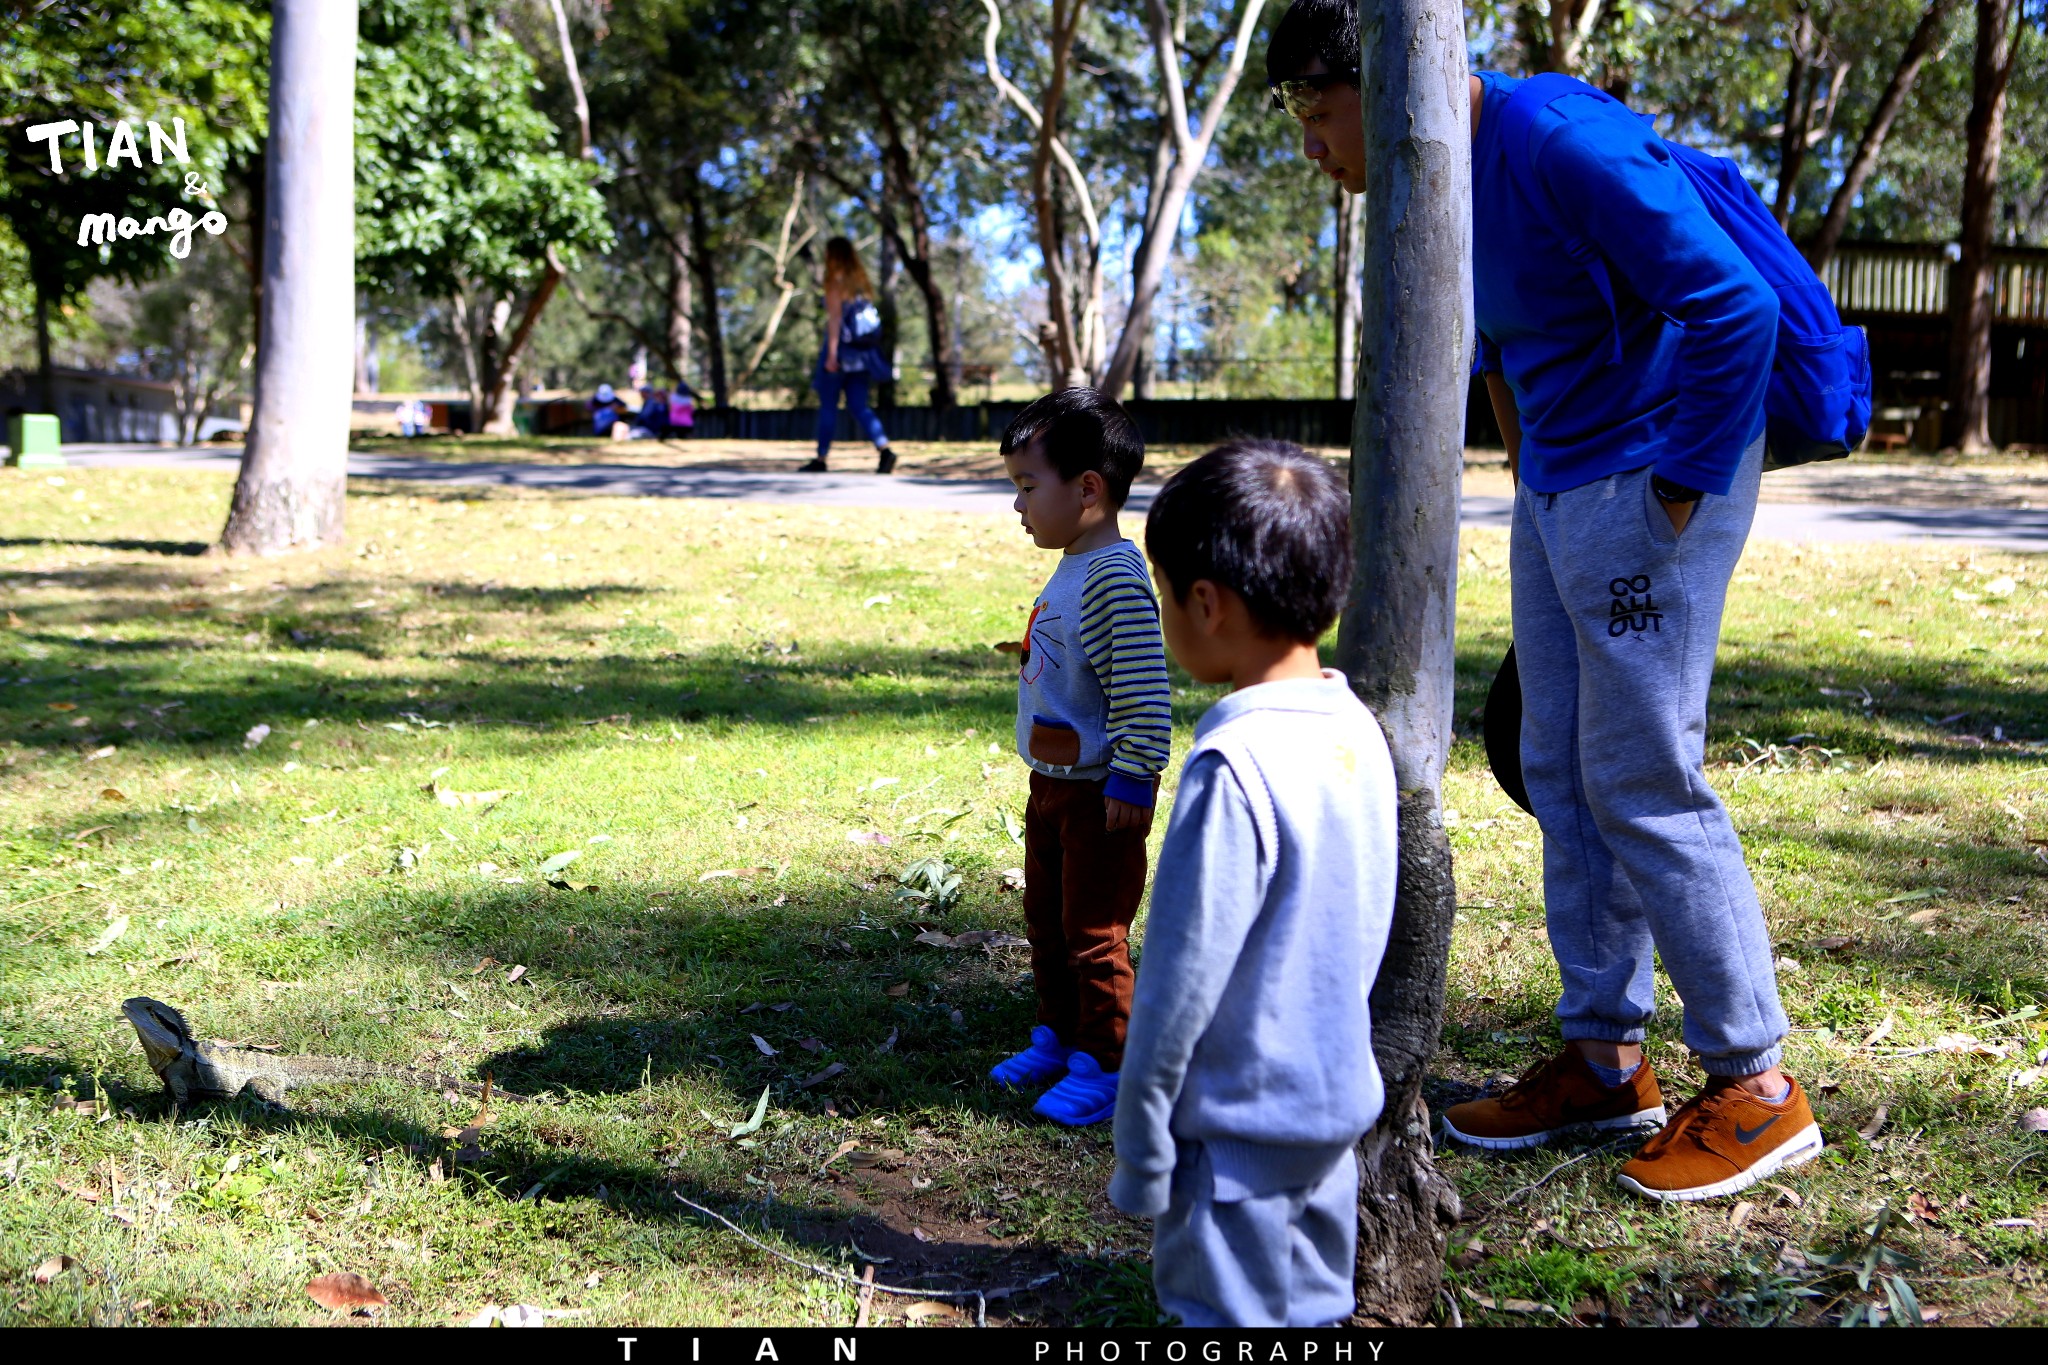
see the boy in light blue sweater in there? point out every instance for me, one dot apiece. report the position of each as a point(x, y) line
point(1248, 1074)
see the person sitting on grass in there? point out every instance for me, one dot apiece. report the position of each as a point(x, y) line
point(1094, 723)
point(607, 409)
point(1248, 1077)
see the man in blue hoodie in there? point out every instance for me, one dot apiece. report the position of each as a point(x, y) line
point(1627, 364)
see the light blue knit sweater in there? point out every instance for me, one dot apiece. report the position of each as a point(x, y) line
point(1250, 1030)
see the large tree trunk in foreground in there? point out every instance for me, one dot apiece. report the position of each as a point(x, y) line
point(1970, 298)
point(1407, 455)
point(295, 469)
point(1864, 160)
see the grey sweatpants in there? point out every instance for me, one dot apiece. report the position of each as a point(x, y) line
point(1258, 1243)
point(1616, 624)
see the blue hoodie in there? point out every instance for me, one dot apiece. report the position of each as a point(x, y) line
point(1698, 324)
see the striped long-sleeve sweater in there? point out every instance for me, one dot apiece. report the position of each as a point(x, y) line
point(1092, 698)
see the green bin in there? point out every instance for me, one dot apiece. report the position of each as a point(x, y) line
point(34, 441)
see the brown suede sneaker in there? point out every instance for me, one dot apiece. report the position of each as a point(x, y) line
point(1721, 1140)
point(1561, 1095)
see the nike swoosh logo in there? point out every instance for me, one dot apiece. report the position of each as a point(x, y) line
point(1745, 1136)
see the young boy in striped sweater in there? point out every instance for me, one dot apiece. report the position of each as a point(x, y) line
point(1093, 722)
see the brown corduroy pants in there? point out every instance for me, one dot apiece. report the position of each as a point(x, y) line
point(1082, 885)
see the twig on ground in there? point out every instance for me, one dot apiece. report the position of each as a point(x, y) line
point(2021, 1162)
point(866, 1295)
point(1453, 1316)
point(23, 905)
point(867, 1284)
point(1544, 1179)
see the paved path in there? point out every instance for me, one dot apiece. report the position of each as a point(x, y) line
point(2005, 528)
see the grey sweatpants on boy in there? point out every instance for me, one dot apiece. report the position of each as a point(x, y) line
point(1616, 624)
point(1267, 1240)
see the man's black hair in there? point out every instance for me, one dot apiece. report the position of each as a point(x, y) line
point(1083, 430)
point(1265, 519)
point(1312, 29)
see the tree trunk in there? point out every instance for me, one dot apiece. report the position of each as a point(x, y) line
point(679, 320)
point(1190, 150)
point(503, 398)
point(1798, 113)
point(915, 250)
point(1970, 290)
point(295, 470)
point(702, 262)
point(466, 342)
point(1397, 635)
point(259, 213)
point(46, 378)
point(1571, 23)
point(1350, 227)
point(1864, 161)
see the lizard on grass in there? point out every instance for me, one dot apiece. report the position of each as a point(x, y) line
point(193, 1070)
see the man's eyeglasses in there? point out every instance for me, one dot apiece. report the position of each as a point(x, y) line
point(1300, 96)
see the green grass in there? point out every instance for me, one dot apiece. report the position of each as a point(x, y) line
point(680, 689)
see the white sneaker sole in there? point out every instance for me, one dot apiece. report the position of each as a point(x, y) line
point(1642, 1118)
point(1800, 1150)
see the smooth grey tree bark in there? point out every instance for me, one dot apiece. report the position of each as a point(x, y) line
point(1190, 150)
point(295, 469)
point(1395, 643)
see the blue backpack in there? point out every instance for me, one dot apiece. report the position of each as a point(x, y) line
point(1817, 406)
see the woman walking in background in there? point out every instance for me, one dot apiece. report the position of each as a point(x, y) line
point(852, 356)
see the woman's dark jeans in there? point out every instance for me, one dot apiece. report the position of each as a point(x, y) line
point(830, 384)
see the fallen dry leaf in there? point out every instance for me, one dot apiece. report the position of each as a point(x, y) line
point(456, 800)
point(2034, 1121)
point(1739, 1215)
point(812, 1045)
point(935, 938)
point(841, 1150)
point(112, 794)
point(515, 974)
point(836, 1069)
point(888, 1043)
point(762, 1045)
point(898, 991)
point(1922, 916)
point(920, 1234)
point(487, 962)
point(1833, 944)
point(918, 1312)
point(346, 1290)
point(38, 1050)
point(114, 930)
point(1013, 879)
point(1881, 1032)
point(1923, 1208)
point(1876, 1124)
point(52, 1268)
point(63, 706)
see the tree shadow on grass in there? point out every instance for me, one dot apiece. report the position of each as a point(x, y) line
point(168, 548)
point(896, 1027)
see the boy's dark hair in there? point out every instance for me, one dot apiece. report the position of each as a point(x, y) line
point(1311, 29)
point(1265, 519)
point(1083, 430)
